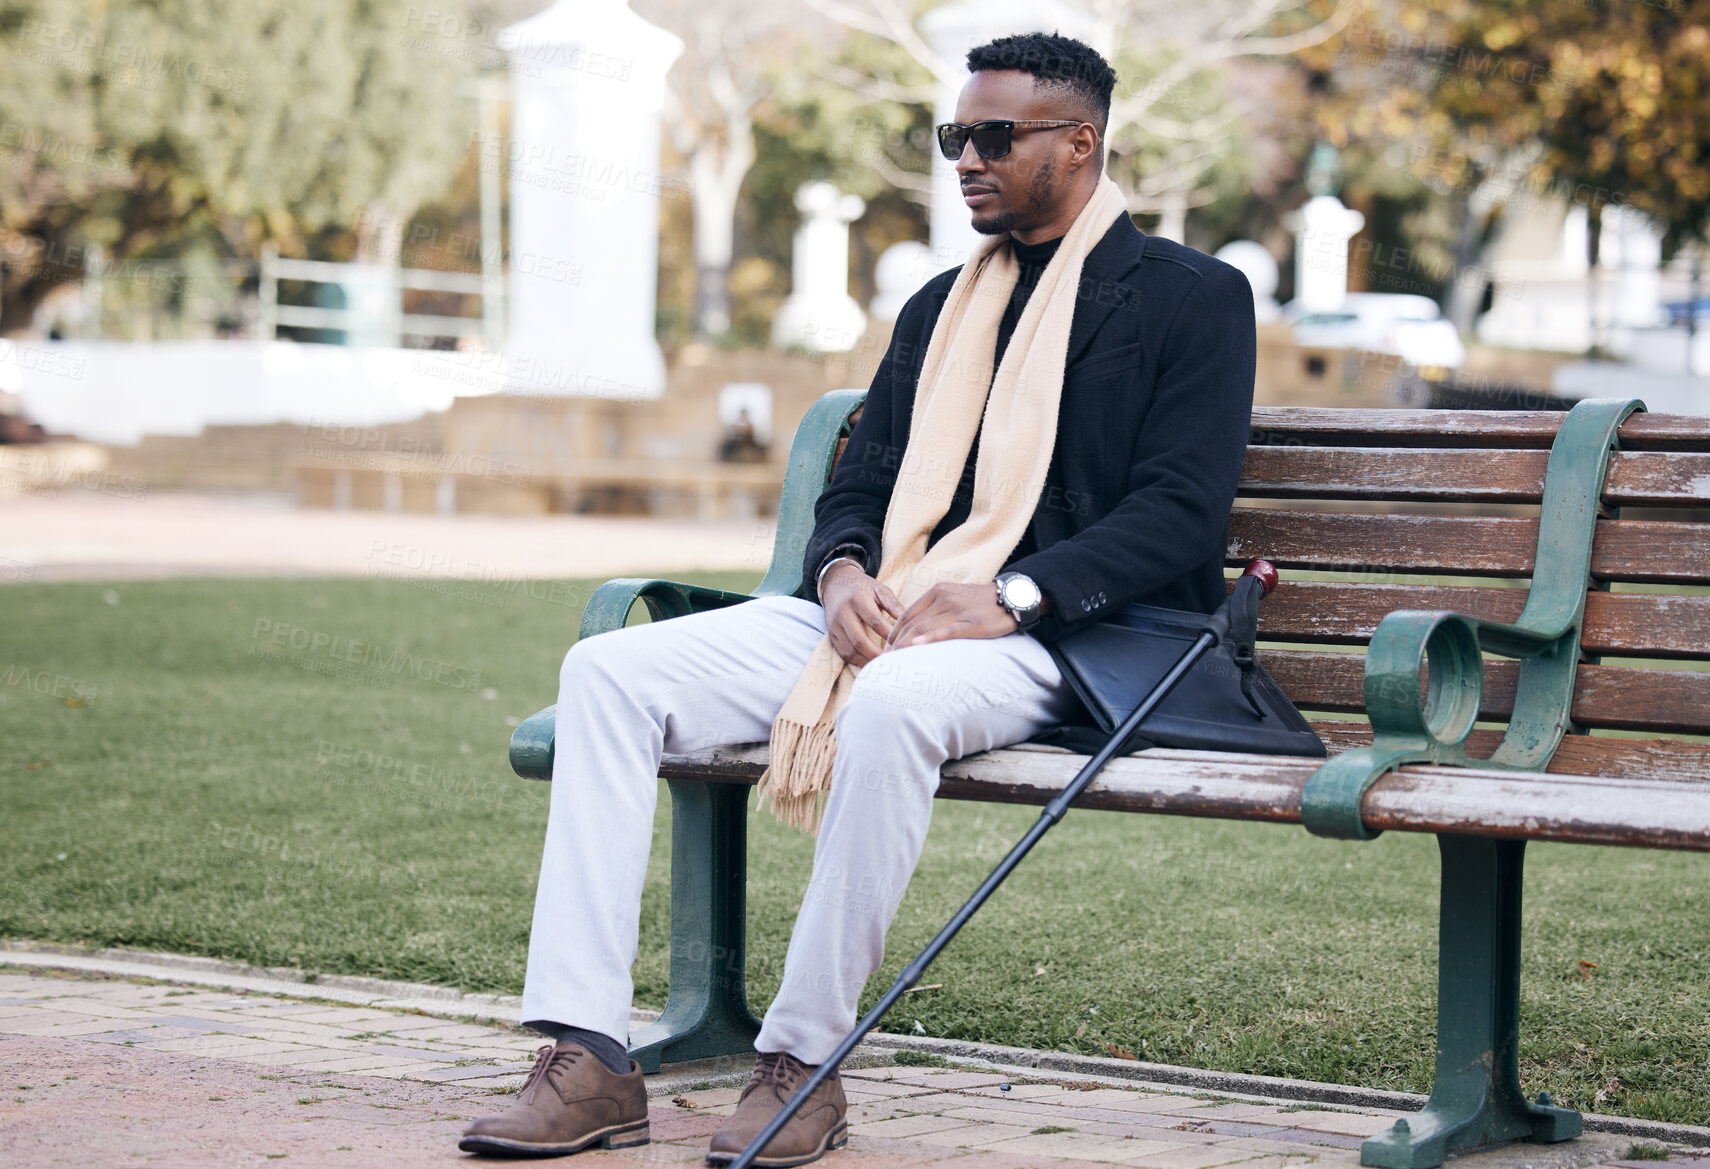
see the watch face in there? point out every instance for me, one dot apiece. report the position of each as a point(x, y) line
point(1021, 593)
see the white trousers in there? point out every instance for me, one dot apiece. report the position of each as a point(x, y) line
point(717, 678)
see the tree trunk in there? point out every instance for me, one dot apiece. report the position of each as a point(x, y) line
point(1467, 273)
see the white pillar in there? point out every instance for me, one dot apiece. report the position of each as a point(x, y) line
point(952, 30)
point(585, 198)
point(1323, 230)
point(819, 314)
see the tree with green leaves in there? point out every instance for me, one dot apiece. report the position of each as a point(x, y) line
point(180, 127)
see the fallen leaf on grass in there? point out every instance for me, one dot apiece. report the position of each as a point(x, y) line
point(1585, 969)
point(1080, 1031)
point(682, 1102)
point(1120, 1052)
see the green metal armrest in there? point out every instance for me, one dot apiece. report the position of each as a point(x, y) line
point(1414, 724)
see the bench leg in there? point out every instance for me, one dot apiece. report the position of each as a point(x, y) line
point(706, 1011)
point(1476, 1099)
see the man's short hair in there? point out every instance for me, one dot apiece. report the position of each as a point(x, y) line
point(1057, 62)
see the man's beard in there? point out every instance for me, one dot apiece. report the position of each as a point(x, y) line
point(1039, 192)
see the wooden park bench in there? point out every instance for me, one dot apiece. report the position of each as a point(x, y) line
point(1382, 510)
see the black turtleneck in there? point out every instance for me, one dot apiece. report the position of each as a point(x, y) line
point(1032, 258)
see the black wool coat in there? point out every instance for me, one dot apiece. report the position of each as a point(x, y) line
point(1151, 433)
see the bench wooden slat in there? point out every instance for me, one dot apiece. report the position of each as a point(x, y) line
point(1653, 478)
point(1327, 472)
point(1465, 801)
point(1651, 551)
point(1680, 760)
point(1461, 428)
point(1619, 697)
point(1642, 624)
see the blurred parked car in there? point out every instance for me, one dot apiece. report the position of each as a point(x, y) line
point(1409, 327)
point(1681, 309)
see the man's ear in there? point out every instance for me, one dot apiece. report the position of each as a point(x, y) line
point(1083, 147)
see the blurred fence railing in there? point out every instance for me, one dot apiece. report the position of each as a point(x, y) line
point(312, 300)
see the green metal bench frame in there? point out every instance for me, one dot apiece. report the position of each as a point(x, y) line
point(1476, 1098)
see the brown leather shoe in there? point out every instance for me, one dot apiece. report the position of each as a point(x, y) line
point(571, 1102)
point(818, 1124)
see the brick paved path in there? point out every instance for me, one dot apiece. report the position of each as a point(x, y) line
point(99, 1071)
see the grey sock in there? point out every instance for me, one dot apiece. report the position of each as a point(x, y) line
point(607, 1050)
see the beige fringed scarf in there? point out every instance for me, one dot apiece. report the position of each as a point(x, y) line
point(1016, 439)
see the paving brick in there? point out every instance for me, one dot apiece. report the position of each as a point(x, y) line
point(1188, 1157)
point(853, 1087)
point(1079, 1146)
point(974, 1135)
point(1121, 1099)
point(909, 1126)
point(61, 1026)
point(1291, 1161)
point(931, 1102)
point(1237, 1110)
point(684, 1125)
point(495, 1082)
point(1017, 1091)
point(344, 1015)
point(985, 1159)
point(944, 1081)
point(467, 1072)
point(708, 1097)
point(1028, 1121)
point(313, 1061)
point(86, 1005)
point(1347, 1123)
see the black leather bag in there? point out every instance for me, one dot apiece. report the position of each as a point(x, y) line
point(1227, 702)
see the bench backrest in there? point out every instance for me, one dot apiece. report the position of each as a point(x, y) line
point(1378, 510)
point(1371, 511)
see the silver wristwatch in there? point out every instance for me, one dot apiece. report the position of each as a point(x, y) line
point(1021, 596)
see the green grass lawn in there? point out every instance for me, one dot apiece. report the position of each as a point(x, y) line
point(174, 779)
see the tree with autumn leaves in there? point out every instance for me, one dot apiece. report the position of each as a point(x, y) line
point(1601, 103)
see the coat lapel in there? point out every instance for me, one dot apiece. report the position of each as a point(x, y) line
point(1103, 290)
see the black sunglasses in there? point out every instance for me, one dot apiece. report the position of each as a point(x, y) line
point(991, 138)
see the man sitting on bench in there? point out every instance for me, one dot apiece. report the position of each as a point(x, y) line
point(955, 539)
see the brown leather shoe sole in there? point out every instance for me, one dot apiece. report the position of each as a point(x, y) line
point(835, 1139)
point(618, 1136)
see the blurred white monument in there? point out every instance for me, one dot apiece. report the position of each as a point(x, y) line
point(901, 270)
point(1254, 261)
point(1322, 230)
point(819, 314)
point(585, 189)
point(952, 30)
